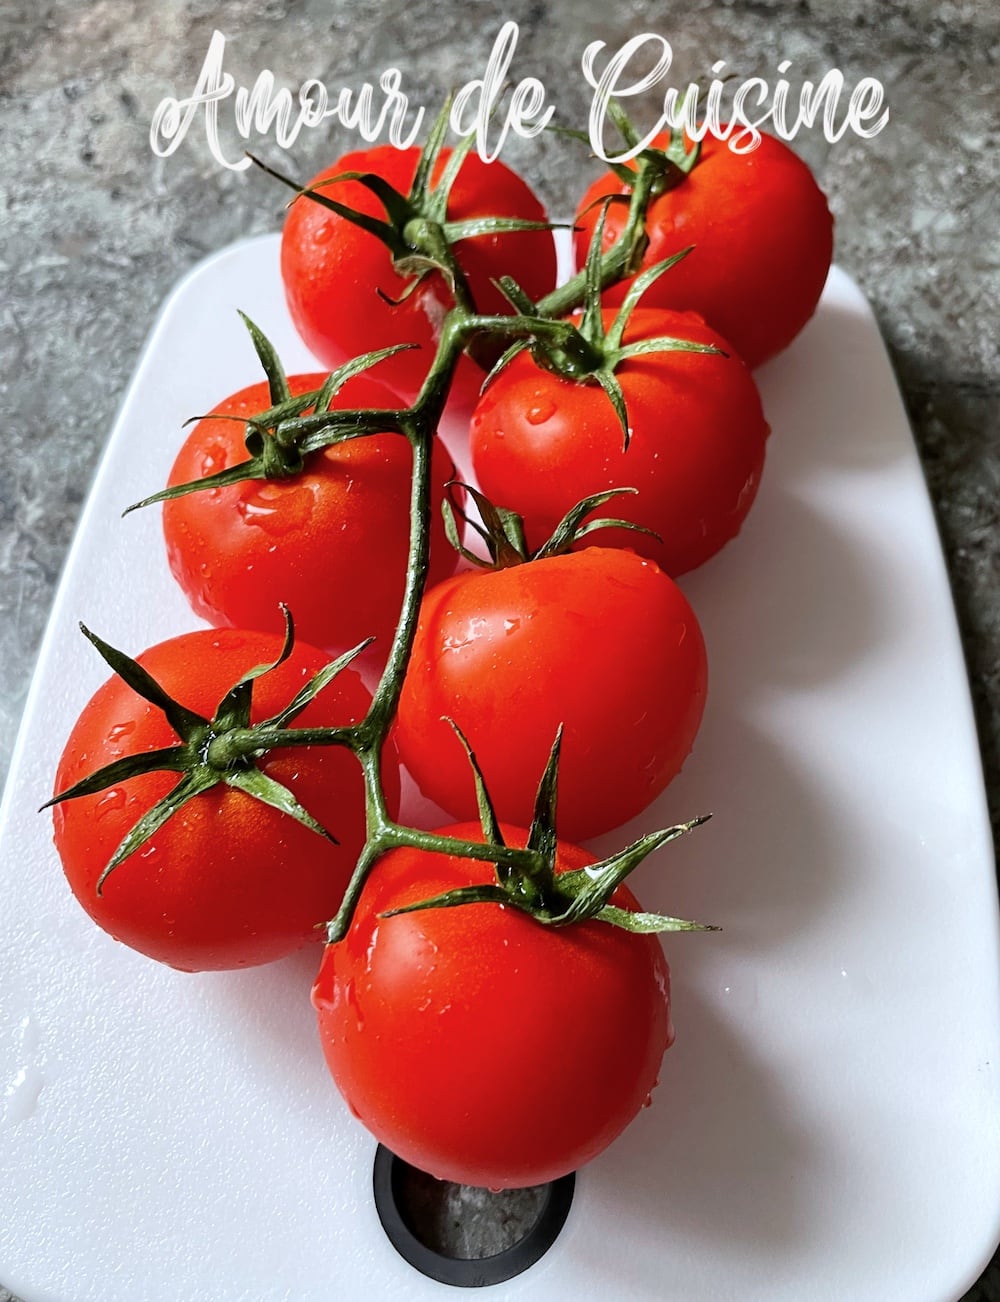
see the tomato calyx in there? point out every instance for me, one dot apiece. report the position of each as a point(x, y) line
point(587, 351)
point(528, 881)
point(503, 534)
point(281, 439)
point(664, 169)
point(223, 749)
point(415, 229)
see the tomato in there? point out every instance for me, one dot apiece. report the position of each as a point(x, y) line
point(762, 236)
point(335, 273)
point(330, 542)
point(599, 640)
point(227, 881)
point(541, 443)
point(477, 1044)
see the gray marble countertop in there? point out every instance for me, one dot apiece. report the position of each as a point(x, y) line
point(96, 230)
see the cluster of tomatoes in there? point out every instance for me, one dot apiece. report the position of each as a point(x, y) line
point(493, 1002)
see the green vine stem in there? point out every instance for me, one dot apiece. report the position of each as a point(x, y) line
point(526, 877)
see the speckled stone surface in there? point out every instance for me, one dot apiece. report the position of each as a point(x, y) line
point(95, 230)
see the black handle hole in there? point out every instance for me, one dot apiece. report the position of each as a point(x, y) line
point(462, 1235)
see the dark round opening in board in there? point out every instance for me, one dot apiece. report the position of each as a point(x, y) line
point(461, 1235)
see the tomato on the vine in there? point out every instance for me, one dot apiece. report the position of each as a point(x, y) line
point(479, 1045)
point(540, 443)
point(600, 641)
point(227, 881)
point(762, 236)
point(330, 542)
point(344, 295)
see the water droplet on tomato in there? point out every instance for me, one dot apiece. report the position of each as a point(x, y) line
point(511, 626)
point(647, 1102)
point(213, 459)
point(278, 508)
point(540, 411)
point(110, 801)
point(205, 570)
point(121, 730)
point(323, 233)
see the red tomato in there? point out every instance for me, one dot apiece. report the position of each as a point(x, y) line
point(600, 641)
point(331, 542)
point(333, 271)
point(227, 881)
point(762, 236)
point(477, 1044)
point(540, 444)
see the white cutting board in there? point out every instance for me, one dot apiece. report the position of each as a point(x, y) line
point(828, 1122)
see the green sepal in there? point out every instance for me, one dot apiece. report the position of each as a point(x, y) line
point(277, 381)
point(413, 266)
point(620, 118)
point(636, 289)
point(470, 227)
point(571, 528)
point(184, 722)
point(255, 782)
point(516, 297)
point(234, 709)
point(384, 232)
point(308, 693)
point(668, 344)
point(503, 361)
point(396, 207)
point(605, 377)
point(336, 380)
point(120, 770)
point(420, 189)
point(671, 166)
point(571, 133)
point(454, 536)
point(643, 923)
point(193, 783)
point(501, 530)
point(487, 814)
point(241, 473)
point(542, 833)
point(592, 323)
point(588, 890)
point(484, 894)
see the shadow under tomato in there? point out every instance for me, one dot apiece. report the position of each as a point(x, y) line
point(770, 862)
point(794, 601)
point(832, 399)
point(722, 1164)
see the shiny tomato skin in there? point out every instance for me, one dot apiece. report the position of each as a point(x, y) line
point(477, 1044)
point(601, 641)
point(227, 882)
point(540, 444)
point(762, 236)
point(330, 542)
point(333, 271)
